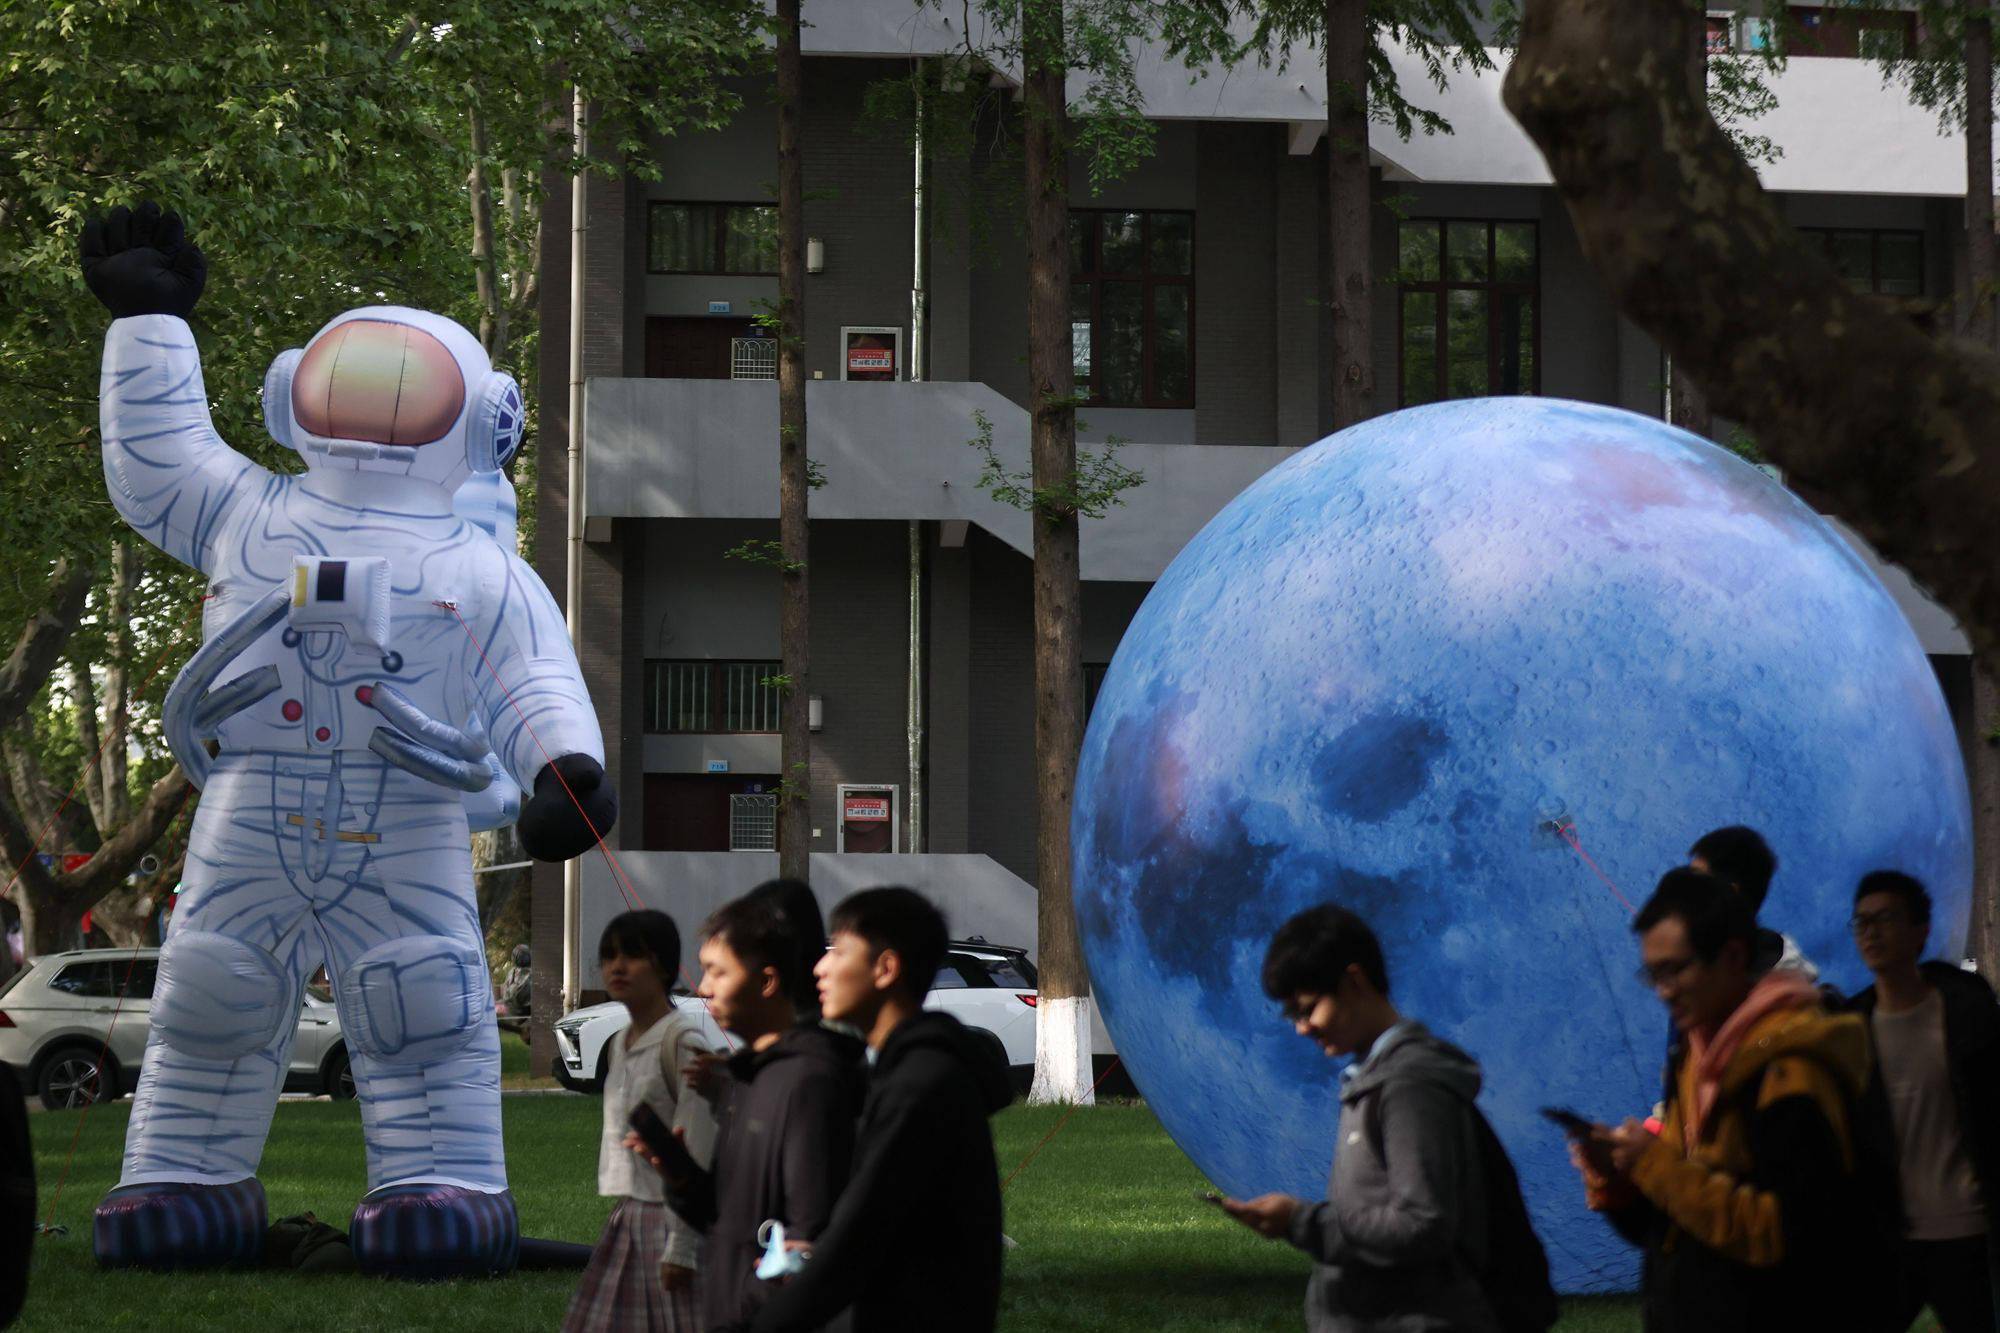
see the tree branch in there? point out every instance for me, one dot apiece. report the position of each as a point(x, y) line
point(18, 845)
point(1877, 422)
point(42, 640)
point(121, 851)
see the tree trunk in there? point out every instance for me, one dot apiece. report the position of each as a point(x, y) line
point(1349, 191)
point(794, 613)
point(1062, 1019)
point(92, 743)
point(116, 706)
point(1982, 940)
point(42, 639)
point(493, 314)
point(1980, 324)
point(49, 919)
point(1873, 420)
point(1687, 406)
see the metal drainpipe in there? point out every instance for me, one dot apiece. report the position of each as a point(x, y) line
point(919, 300)
point(573, 587)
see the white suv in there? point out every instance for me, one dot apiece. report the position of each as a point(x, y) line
point(989, 988)
point(56, 1014)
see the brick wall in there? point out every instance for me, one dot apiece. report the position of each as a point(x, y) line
point(1000, 707)
point(860, 663)
point(1235, 319)
point(859, 181)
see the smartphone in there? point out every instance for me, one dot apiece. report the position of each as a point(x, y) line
point(660, 1141)
point(1572, 1124)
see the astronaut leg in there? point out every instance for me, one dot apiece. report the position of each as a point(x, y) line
point(224, 1014)
point(416, 1005)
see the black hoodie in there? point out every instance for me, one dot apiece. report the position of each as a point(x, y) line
point(784, 1142)
point(914, 1243)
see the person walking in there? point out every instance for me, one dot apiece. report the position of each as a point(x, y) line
point(1748, 1202)
point(786, 1123)
point(914, 1243)
point(1406, 1237)
point(1936, 1031)
point(640, 1278)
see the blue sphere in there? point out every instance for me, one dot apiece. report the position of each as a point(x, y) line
point(1482, 671)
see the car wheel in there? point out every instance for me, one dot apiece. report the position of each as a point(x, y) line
point(339, 1076)
point(994, 1044)
point(77, 1076)
point(604, 1062)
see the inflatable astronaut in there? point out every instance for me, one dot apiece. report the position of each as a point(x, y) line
point(381, 659)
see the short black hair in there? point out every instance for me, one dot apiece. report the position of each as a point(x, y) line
point(1712, 912)
point(901, 919)
point(758, 934)
point(1739, 856)
point(644, 934)
point(1916, 898)
point(1312, 952)
point(795, 902)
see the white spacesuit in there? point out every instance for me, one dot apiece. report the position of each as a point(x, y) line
point(385, 657)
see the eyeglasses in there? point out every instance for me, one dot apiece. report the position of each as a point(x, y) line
point(1863, 922)
point(1659, 976)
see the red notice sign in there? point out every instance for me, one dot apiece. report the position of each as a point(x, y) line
point(865, 809)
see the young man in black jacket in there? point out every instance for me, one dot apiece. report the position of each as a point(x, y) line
point(1936, 1092)
point(785, 1128)
point(914, 1243)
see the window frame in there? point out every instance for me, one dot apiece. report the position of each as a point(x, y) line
point(1148, 282)
point(718, 207)
point(1442, 288)
point(1825, 236)
point(1807, 28)
point(717, 705)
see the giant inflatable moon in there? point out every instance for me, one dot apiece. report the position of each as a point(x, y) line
point(1387, 674)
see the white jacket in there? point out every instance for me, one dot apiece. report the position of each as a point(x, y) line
point(641, 1073)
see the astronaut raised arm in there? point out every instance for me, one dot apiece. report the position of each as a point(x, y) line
point(170, 475)
point(540, 719)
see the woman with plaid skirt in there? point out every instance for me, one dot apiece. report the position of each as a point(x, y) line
point(641, 1275)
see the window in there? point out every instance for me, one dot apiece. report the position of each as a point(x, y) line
point(1885, 263)
point(1132, 307)
point(109, 979)
point(1467, 321)
point(1013, 972)
point(1841, 31)
point(703, 696)
point(712, 238)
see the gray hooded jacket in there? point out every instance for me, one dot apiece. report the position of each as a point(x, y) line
point(1403, 1226)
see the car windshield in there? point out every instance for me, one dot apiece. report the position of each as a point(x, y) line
point(18, 977)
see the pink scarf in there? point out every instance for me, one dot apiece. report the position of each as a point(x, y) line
point(1780, 989)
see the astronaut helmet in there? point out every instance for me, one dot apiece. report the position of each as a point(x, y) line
point(395, 390)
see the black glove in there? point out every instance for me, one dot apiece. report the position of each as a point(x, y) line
point(140, 262)
point(552, 827)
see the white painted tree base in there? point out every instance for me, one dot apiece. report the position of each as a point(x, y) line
point(1062, 1053)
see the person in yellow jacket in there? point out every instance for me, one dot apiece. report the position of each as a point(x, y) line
point(1749, 1200)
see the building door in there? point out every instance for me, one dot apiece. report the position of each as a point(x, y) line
point(692, 347)
point(869, 819)
point(689, 812)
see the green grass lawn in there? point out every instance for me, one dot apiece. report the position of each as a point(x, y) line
point(1111, 1235)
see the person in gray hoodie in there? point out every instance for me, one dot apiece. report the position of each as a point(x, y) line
point(1399, 1241)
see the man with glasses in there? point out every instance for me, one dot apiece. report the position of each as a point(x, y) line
point(1745, 1202)
point(1936, 1038)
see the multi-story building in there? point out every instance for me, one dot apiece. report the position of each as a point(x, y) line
point(1200, 339)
